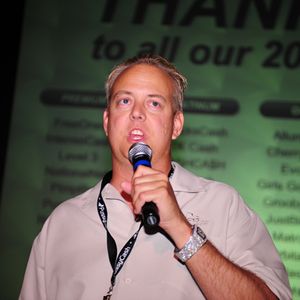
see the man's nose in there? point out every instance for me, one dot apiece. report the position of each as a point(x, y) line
point(138, 112)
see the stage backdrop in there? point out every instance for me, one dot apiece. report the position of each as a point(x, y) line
point(242, 107)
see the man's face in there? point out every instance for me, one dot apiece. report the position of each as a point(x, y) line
point(141, 110)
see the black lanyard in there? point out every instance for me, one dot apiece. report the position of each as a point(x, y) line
point(117, 262)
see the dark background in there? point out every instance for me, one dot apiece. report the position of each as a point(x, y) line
point(11, 28)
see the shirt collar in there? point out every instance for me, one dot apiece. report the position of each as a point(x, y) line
point(183, 180)
point(110, 192)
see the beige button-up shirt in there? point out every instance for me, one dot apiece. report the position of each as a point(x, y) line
point(69, 258)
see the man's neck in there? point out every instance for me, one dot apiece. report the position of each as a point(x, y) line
point(120, 175)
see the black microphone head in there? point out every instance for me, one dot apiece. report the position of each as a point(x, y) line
point(139, 153)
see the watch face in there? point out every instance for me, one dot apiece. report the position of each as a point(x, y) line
point(201, 233)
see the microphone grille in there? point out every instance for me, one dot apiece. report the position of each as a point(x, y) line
point(139, 149)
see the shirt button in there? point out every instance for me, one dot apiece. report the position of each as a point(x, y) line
point(128, 280)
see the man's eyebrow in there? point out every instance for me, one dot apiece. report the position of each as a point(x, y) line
point(121, 92)
point(157, 96)
point(125, 92)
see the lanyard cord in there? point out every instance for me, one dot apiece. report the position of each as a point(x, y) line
point(116, 262)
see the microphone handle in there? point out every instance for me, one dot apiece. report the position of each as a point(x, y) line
point(150, 215)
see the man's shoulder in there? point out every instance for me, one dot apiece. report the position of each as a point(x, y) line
point(185, 180)
point(82, 203)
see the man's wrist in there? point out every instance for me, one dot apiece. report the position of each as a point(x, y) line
point(180, 233)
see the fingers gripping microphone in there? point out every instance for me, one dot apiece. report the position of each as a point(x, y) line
point(141, 154)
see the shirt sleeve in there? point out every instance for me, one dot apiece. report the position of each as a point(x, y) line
point(250, 246)
point(34, 280)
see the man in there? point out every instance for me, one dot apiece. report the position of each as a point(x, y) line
point(92, 247)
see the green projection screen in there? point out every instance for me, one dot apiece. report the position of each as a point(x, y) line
point(242, 107)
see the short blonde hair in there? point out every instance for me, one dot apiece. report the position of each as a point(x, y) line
point(178, 79)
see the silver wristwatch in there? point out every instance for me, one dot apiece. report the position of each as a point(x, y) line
point(195, 242)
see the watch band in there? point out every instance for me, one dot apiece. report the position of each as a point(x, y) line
point(195, 242)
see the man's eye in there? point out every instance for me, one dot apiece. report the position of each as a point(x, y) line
point(124, 101)
point(155, 103)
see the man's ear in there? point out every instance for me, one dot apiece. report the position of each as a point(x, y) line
point(178, 122)
point(105, 121)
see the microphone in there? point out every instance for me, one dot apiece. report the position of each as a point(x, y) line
point(141, 154)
